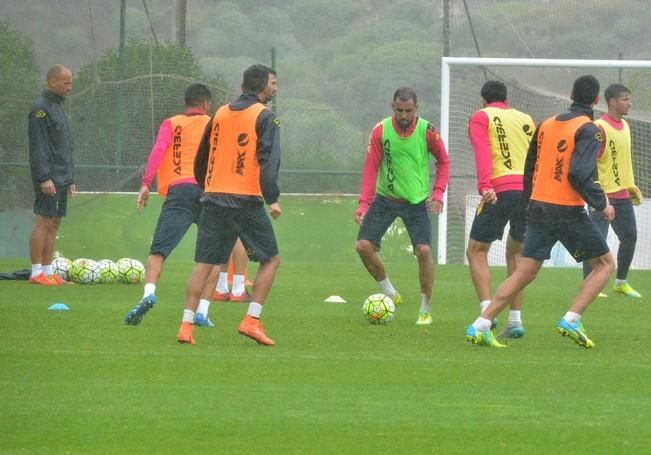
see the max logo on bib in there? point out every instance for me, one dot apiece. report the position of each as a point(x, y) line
point(562, 146)
point(242, 141)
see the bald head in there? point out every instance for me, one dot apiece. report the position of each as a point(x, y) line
point(59, 80)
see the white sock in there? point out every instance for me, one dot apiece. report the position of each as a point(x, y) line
point(482, 324)
point(203, 307)
point(150, 288)
point(188, 316)
point(47, 269)
point(36, 269)
point(572, 317)
point(387, 287)
point(255, 310)
point(482, 305)
point(515, 317)
point(619, 282)
point(222, 283)
point(425, 304)
point(238, 285)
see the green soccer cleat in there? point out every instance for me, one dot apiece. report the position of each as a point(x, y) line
point(424, 318)
point(626, 290)
point(482, 338)
point(576, 332)
point(512, 331)
point(397, 300)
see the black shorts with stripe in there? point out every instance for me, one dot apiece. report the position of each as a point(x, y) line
point(570, 225)
point(490, 219)
point(220, 226)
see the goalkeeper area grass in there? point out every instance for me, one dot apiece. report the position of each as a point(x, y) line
point(80, 381)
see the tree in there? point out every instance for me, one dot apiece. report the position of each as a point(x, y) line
point(19, 84)
point(115, 117)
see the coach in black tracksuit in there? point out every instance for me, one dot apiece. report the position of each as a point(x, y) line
point(51, 165)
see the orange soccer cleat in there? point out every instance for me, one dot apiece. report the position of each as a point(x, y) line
point(251, 327)
point(221, 297)
point(43, 280)
point(59, 280)
point(185, 334)
point(243, 297)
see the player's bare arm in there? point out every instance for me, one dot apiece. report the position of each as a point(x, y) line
point(143, 198)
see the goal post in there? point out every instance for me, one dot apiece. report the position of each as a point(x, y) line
point(541, 88)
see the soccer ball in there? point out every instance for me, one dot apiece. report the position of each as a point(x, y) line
point(84, 271)
point(62, 266)
point(131, 271)
point(108, 271)
point(378, 309)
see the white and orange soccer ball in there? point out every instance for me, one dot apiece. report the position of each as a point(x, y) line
point(378, 309)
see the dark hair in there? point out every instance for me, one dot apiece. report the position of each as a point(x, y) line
point(493, 91)
point(405, 94)
point(585, 89)
point(196, 94)
point(255, 78)
point(615, 91)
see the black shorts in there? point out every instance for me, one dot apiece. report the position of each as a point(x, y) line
point(383, 212)
point(51, 206)
point(219, 228)
point(180, 209)
point(549, 223)
point(490, 219)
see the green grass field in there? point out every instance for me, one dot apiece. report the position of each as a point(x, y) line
point(82, 382)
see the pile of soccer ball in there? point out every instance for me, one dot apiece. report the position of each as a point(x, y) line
point(105, 271)
point(378, 309)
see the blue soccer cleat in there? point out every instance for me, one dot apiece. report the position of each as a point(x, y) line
point(135, 316)
point(576, 332)
point(482, 338)
point(202, 320)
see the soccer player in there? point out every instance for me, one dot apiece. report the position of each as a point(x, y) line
point(396, 183)
point(238, 162)
point(500, 137)
point(172, 161)
point(560, 173)
point(52, 171)
point(615, 168)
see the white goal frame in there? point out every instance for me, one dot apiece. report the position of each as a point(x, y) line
point(444, 126)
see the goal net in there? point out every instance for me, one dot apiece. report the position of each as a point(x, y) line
point(541, 88)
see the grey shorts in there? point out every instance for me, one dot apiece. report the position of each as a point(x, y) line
point(51, 206)
point(383, 212)
point(180, 209)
